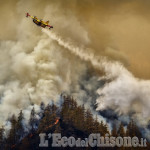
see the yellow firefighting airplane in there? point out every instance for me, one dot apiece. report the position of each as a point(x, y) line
point(39, 22)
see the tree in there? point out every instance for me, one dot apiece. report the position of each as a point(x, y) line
point(32, 121)
point(133, 130)
point(2, 139)
point(89, 121)
point(65, 110)
point(79, 117)
point(114, 131)
point(49, 117)
point(96, 125)
point(74, 121)
point(42, 108)
point(58, 128)
point(20, 126)
point(12, 136)
point(121, 131)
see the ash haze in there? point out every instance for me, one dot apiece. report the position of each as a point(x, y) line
point(92, 40)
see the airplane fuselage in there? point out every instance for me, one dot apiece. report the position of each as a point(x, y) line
point(39, 23)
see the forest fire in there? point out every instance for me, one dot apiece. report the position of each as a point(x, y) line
point(57, 120)
point(30, 135)
point(97, 55)
point(13, 146)
point(83, 122)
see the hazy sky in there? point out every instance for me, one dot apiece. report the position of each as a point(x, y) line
point(118, 29)
point(38, 65)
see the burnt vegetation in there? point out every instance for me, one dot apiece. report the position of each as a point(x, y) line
point(69, 119)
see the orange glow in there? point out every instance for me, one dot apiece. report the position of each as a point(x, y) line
point(57, 120)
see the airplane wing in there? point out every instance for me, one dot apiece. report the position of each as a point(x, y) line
point(45, 23)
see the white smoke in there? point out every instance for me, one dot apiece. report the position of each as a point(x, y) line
point(124, 93)
point(34, 68)
point(38, 66)
point(35, 77)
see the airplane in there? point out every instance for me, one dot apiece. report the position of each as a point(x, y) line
point(38, 22)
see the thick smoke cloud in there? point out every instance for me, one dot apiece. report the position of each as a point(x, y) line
point(93, 53)
point(35, 68)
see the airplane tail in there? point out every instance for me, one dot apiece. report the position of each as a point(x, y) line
point(27, 15)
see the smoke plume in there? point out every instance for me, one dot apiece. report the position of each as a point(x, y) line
point(97, 51)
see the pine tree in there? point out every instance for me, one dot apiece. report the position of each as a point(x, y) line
point(12, 136)
point(133, 130)
point(72, 111)
point(20, 126)
point(65, 110)
point(114, 131)
point(42, 108)
point(79, 117)
point(49, 117)
point(2, 139)
point(32, 121)
point(58, 128)
point(121, 131)
point(105, 128)
point(89, 121)
point(96, 125)
point(82, 117)
point(53, 116)
point(101, 127)
point(44, 122)
point(54, 109)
